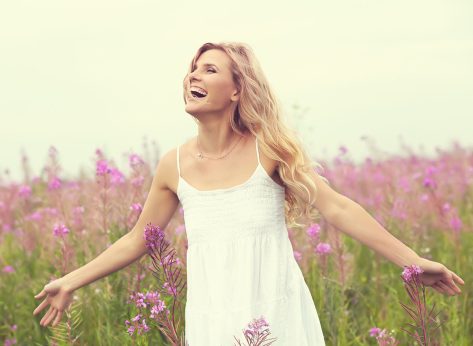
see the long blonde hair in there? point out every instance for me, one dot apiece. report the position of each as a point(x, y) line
point(258, 111)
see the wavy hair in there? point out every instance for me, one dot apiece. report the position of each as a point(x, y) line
point(258, 111)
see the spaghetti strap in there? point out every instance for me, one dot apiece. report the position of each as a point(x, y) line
point(178, 168)
point(257, 152)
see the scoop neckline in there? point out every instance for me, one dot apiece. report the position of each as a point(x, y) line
point(231, 188)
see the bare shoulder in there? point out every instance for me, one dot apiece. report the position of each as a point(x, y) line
point(167, 168)
point(271, 166)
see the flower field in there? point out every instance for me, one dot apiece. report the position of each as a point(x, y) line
point(50, 225)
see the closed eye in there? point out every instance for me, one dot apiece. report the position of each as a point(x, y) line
point(209, 69)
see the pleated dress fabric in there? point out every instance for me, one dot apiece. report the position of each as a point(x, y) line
point(241, 265)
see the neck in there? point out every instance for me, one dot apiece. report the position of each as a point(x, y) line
point(216, 143)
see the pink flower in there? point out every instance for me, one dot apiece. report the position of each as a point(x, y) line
point(424, 197)
point(169, 288)
point(446, 206)
point(374, 331)
point(456, 223)
point(8, 269)
point(179, 229)
point(117, 177)
point(323, 248)
point(153, 235)
point(314, 230)
point(135, 160)
point(24, 191)
point(34, 216)
point(297, 255)
point(429, 182)
point(60, 230)
point(156, 309)
point(9, 342)
point(140, 328)
point(54, 184)
point(136, 318)
point(102, 167)
point(410, 271)
point(257, 325)
point(136, 207)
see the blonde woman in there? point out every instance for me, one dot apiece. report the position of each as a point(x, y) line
point(241, 181)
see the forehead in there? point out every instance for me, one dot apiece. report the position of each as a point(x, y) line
point(214, 56)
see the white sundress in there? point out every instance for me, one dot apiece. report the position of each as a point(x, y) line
point(241, 265)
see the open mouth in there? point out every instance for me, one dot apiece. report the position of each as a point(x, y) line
point(197, 95)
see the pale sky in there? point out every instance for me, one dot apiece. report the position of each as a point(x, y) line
point(105, 74)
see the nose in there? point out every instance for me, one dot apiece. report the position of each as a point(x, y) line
point(192, 77)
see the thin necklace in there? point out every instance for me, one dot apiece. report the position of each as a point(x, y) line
point(201, 156)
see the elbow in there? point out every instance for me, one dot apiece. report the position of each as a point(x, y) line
point(341, 209)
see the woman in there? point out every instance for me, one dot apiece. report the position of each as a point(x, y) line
point(240, 262)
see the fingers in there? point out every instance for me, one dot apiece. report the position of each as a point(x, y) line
point(457, 278)
point(40, 294)
point(40, 306)
point(58, 318)
point(48, 317)
point(447, 288)
point(438, 288)
point(450, 282)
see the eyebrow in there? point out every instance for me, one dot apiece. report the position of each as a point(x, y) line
point(207, 64)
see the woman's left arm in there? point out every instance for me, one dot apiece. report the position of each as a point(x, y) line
point(356, 222)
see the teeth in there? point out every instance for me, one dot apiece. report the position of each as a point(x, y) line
point(199, 90)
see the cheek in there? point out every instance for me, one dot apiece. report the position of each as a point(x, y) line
point(221, 88)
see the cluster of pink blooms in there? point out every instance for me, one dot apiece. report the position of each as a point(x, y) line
point(38, 215)
point(24, 191)
point(323, 248)
point(313, 231)
point(454, 220)
point(54, 183)
point(257, 325)
point(9, 342)
point(102, 168)
point(429, 179)
point(140, 327)
point(153, 235)
point(150, 300)
point(383, 337)
point(60, 230)
point(134, 160)
point(136, 207)
point(410, 272)
point(256, 332)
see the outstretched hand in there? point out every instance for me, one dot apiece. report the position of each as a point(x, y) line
point(439, 277)
point(58, 296)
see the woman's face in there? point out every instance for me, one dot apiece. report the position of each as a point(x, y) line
point(211, 73)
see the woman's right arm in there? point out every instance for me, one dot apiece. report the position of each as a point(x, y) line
point(158, 209)
point(160, 205)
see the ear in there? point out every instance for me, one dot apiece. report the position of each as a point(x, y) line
point(235, 96)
